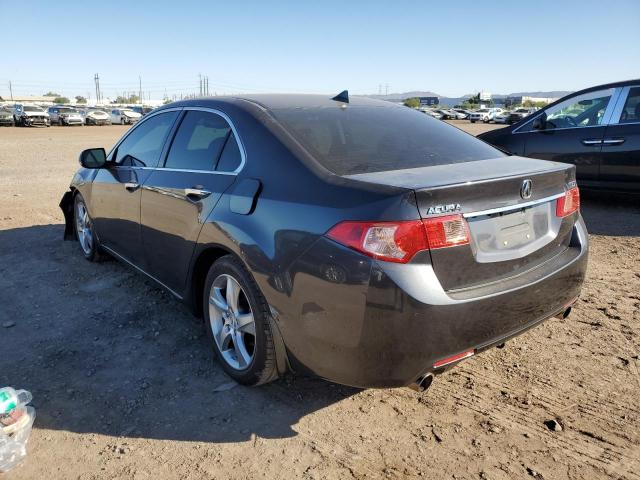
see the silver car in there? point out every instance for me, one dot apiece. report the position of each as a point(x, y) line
point(65, 116)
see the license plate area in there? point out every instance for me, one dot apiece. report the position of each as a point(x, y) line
point(513, 234)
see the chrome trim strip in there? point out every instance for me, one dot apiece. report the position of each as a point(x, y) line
point(613, 102)
point(195, 171)
point(512, 207)
point(175, 170)
point(617, 111)
point(120, 257)
point(243, 154)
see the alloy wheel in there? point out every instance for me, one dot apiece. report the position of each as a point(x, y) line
point(83, 228)
point(232, 322)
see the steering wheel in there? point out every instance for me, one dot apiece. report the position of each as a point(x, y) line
point(570, 121)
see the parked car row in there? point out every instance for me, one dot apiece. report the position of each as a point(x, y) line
point(486, 115)
point(65, 115)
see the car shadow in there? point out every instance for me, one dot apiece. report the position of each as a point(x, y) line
point(103, 350)
point(613, 214)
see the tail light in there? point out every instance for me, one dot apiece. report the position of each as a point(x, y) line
point(569, 203)
point(399, 241)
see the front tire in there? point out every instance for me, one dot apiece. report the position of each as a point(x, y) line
point(237, 320)
point(84, 230)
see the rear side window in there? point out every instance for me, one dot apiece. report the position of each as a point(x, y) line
point(366, 139)
point(199, 141)
point(230, 159)
point(142, 147)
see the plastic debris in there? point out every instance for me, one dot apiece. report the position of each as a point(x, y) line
point(16, 421)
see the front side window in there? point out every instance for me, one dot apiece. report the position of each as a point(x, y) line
point(585, 110)
point(199, 141)
point(142, 147)
point(631, 110)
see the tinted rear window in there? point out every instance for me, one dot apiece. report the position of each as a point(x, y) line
point(366, 139)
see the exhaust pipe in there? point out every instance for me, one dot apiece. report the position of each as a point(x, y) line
point(422, 383)
point(565, 314)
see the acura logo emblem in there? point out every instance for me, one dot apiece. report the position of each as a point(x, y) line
point(526, 189)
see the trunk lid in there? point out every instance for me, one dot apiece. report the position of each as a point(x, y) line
point(511, 230)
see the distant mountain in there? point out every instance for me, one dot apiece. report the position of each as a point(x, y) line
point(552, 94)
point(398, 97)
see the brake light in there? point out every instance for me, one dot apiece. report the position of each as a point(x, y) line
point(569, 203)
point(399, 241)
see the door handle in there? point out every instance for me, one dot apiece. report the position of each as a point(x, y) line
point(613, 141)
point(131, 186)
point(591, 142)
point(196, 193)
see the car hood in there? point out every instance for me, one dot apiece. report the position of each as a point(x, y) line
point(131, 114)
point(97, 114)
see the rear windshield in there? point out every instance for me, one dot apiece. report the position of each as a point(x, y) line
point(367, 139)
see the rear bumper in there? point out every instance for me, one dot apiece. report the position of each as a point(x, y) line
point(389, 330)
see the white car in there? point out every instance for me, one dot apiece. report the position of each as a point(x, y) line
point(124, 116)
point(433, 113)
point(484, 114)
point(502, 118)
point(457, 114)
point(95, 116)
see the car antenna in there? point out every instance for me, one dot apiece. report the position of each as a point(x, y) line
point(343, 97)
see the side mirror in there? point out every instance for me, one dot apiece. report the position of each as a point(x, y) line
point(540, 123)
point(93, 158)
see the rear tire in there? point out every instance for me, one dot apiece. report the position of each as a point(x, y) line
point(237, 319)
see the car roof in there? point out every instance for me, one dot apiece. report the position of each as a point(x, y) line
point(282, 100)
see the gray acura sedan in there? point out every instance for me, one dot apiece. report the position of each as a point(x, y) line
point(357, 240)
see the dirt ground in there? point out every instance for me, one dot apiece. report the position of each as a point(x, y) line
point(125, 386)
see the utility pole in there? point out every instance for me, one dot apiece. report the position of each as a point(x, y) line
point(140, 89)
point(11, 90)
point(96, 79)
point(386, 89)
point(200, 82)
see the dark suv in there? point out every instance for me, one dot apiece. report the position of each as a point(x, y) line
point(359, 240)
point(597, 130)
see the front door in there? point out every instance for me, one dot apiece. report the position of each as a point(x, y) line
point(573, 133)
point(178, 197)
point(115, 192)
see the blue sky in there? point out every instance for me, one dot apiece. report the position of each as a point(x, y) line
point(451, 48)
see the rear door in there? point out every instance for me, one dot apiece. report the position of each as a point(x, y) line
point(620, 166)
point(201, 163)
point(115, 192)
point(573, 134)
